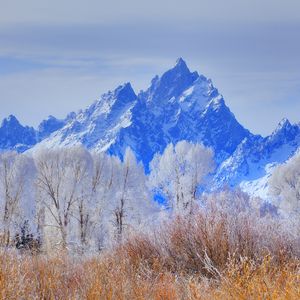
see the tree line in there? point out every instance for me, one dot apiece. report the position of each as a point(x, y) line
point(71, 198)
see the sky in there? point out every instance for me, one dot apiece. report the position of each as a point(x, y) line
point(59, 56)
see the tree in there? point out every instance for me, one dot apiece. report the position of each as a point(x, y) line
point(178, 173)
point(131, 203)
point(16, 177)
point(92, 204)
point(61, 183)
point(285, 184)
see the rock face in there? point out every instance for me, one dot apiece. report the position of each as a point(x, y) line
point(178, 105)
point(48, 126)
point(14, 136)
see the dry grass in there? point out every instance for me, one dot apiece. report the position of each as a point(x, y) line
point(212, 256)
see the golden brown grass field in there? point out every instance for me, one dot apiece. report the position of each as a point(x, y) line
point(206, 258)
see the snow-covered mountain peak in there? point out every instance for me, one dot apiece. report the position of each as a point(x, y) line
point(14, 136)
point(11, 120)
point(171, 84)
point(285, 132)
point(49, 125)
point(124, 92)
point(115, 100)
point(97, 126)
point(50, 117)
point(254, 159)
point(181, 65)
point(283, 125)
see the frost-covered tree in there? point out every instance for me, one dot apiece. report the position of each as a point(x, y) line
point(77, 198)
point(131, 203)
point(285, 184)
point(179, 172)
point(16, 178)
point(92, 206)
point(85, 207)
point(62, 177)
point(86, 198)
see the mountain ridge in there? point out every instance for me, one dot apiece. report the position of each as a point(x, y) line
point(178, 105)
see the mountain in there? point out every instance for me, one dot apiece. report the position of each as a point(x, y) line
point(50, 125)
point(14, 136)
point(252, 163)
point(178, 105)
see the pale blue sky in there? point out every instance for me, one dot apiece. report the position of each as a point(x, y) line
point(59, 56)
